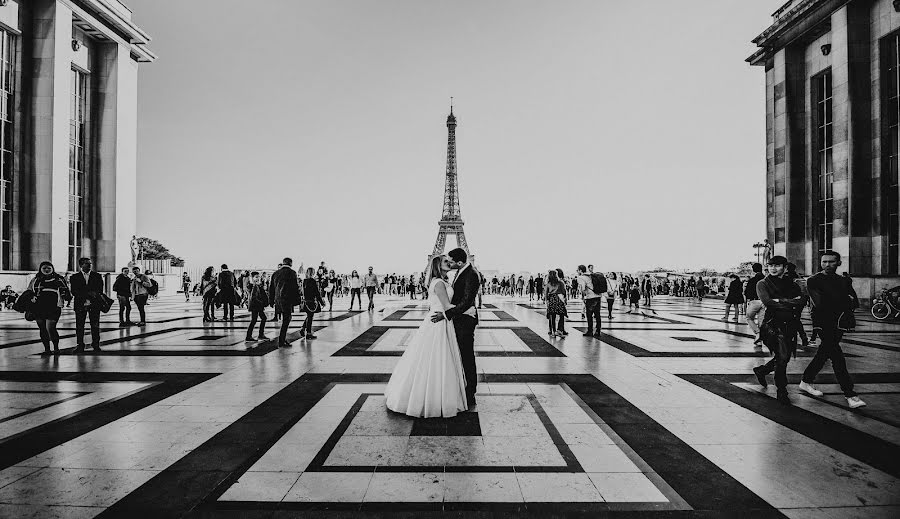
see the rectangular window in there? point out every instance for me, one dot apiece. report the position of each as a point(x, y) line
point(824, 164)
point(7, 56)
point(77, 133)
point(892, 189)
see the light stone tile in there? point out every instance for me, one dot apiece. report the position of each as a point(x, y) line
point(286, 457)
point(74, 487)
point(261, 486)
point(340, 487)
point(13, 474)
point(380, 423)
point(368, 451)
point(522, 451)
point(405, 487)
point(505, 424)
point(558, 487)
point(505, 404)
point(603, 458)
point(586, 434)
point(481, 487)
point(439, 451)
point(626, 487)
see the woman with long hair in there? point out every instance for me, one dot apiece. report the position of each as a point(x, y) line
point(208, 284)
point(50, 294)
point(735, 297)
point(612, 288)
point(355, 289)
point(428, 380)
point(555, 296)
point(312, 301)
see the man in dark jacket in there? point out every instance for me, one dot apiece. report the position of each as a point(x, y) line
point(464, 316)
point(833, 302)
point(755, 308)
point(783, 301)
point(226, 285)
point(86, 287)
point(122, 288)
point(284, 293)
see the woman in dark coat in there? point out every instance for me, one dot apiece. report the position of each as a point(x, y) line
point(555, 295)
point(312, 300)
point(734, 298)
point(50, 292)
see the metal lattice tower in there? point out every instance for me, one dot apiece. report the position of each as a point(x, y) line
point(451, 220)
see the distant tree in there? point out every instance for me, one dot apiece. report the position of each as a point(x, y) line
point(153, 250)
point(745, 268)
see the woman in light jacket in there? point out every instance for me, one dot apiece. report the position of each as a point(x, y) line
point(50, 294)
point(612, 289)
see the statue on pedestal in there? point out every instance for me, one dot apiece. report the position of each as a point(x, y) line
point(135, 250)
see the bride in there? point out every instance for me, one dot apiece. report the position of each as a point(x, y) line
point(428, 381)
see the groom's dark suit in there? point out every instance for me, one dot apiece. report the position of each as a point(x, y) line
point(465, 288)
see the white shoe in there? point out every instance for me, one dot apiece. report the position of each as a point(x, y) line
point(855, 402)
point(810, 389)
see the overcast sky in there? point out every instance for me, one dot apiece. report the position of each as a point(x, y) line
point(624, 134)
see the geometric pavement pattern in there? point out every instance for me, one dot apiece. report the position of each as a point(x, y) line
point(658, 416)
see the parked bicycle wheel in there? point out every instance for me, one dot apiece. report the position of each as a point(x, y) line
point(881, 310)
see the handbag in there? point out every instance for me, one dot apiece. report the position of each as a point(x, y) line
point(105, 302)
point(847, 322)
point(23, 302)
point(314, 307)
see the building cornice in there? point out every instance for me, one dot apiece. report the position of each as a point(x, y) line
point(102, 13)
point(791, 21)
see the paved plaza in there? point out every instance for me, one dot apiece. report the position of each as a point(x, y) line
point(660, 416)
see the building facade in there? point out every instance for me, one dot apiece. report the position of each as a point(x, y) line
point(833, 135)
point(68, 133)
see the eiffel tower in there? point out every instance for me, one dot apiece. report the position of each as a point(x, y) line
point(451, 221)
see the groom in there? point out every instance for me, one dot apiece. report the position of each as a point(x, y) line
point(464, 316)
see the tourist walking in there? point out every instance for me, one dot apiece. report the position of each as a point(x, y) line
point(86, 287)
point(734, 297)
point(755, 310)
point(122, 288)
point(330, 286)
point(227, 292)
point(539, 287)
point(355, 286)
point(592, 293)
point(555, 296)
point(50, 294)
point(257, 301)
point(833, 302)
point(284, 293)
point(186, 286)
point(612, 290)
point(312, 302)
point(701, 288)
point(371, 283)
point(783, 302)
point(140, 292)
point(208, 293)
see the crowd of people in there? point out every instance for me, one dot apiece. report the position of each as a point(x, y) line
point(49, 292)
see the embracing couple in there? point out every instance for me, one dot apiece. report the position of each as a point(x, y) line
point(436, 376)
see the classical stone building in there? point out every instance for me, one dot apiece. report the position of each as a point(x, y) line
point(832, 127)
point(68, 132)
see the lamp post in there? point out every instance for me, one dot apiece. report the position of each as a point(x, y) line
point(758, 246)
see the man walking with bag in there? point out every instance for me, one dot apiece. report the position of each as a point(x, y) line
point(833, 302)
point(284, 294)
point(589, 285)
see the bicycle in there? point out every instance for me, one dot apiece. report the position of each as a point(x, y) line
point(883, 308)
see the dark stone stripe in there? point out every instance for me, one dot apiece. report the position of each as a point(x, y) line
point(22, 446)
point(857, 444)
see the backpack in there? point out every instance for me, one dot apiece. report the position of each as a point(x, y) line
point(153, 289)
point(598, 282)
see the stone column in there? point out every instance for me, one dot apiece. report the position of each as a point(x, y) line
point(776, 152)
point(51, 90)
point(840, 103)
point(116, 165)
point(795, 165)
point(860, 207)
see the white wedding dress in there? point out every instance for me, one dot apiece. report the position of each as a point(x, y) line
point(428, 381)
